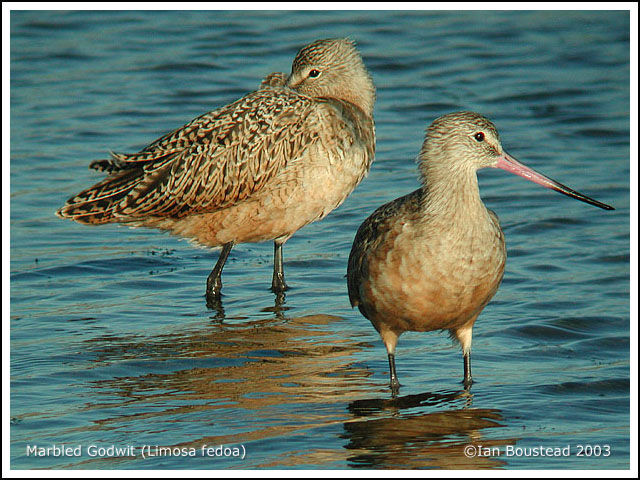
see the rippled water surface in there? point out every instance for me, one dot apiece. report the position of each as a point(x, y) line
point(112, 344)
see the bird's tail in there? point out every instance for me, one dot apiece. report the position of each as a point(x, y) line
point(100, 203)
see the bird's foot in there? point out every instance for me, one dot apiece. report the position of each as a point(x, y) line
point(214, 287)
point(395, 387)
point(278, 285)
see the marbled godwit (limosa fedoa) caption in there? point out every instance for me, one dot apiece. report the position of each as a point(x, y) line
point(257, 169)
point(433, 259)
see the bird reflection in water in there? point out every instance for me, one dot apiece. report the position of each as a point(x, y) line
point(260, 365)
point(414, 431)
point(215, 304)
point(256, 379)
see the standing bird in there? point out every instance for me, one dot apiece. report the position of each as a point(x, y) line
point(433, 259)
point(257, 169)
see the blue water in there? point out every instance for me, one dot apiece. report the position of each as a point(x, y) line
point(112, 344)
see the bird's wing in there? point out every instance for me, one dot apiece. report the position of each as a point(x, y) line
point(216, 160)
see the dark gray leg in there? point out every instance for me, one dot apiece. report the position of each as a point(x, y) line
point(278, 285)
point(467, 370)
point(395, 384)
point(214, 281)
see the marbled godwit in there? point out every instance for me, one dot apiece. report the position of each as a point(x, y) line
point(432, 260)
point(257, 169)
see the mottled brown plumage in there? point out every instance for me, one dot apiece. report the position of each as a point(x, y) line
point(433, 259)
point(257, 169)
point(275, 79)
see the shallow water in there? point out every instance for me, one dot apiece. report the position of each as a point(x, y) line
point(112, 344)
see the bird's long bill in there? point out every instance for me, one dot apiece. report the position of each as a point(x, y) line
point(510, 164)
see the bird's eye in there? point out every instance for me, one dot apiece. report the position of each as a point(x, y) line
point(479, 136)
point(314, 73)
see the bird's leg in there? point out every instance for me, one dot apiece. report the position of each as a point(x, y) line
point(278, 285)
point(467, 370)
point(394, 383)
point(390, 340)
point(464, 335)
point(214, 281)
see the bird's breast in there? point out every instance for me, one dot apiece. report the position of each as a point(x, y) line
point(433, 279)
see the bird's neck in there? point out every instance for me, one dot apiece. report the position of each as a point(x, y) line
point(363, 99)
point(361, 93)
point(452, 197)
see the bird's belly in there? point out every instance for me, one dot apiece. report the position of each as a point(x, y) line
point(431, 290)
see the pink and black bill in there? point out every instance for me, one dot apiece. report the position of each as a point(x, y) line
point(510, 164)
